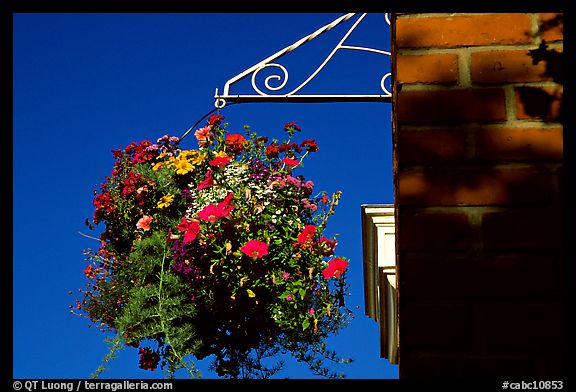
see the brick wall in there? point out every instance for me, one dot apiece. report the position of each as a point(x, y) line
point(478, 165)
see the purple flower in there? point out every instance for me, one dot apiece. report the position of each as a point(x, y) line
point(293, 181)
point(186, 194)
point(190, 273)
point(178, 250)
point(162, 139)
point(259, 170)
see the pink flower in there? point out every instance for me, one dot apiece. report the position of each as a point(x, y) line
point(291, 162)
point(310, 206)
point(255, 249)
point(144, 223)
point(204, 136)
point(285, 275)
point(336, 267)
point(191, 229)
point(289, 297)
point(311, 311)
point(208, 182)
point(212, 212)
point(226, 202)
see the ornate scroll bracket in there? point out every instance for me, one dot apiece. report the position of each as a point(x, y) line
point(282, 77)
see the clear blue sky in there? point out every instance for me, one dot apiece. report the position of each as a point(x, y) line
point(85, 84)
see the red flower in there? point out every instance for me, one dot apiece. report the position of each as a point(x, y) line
point(235, 143)
point(148, 359)
point(310, 145)
point(292, 125)
point(272, 151)
point(290, 146)
point(191, 229)
point(215, 120)
point(326, 246)
point(88, 271)
point(336, 268)
point(220, 161)
point(291, 162)
point(208, 182)
point(307, 234)
point(140, 152)
point(255, 249)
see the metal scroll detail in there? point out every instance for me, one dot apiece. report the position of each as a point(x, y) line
point(281, 76)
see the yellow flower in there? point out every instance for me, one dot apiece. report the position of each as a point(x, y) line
point(165, 201)
point(195, 157)
point(188, 153)
point(198, 159)
point(158, 166)
point(182, 165)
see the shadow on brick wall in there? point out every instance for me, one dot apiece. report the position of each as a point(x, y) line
point(498, 313)
point(538, 102)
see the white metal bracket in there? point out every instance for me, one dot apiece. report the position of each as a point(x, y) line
point(270, 95)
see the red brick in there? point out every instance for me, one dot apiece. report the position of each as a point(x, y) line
point(431, 145)
point(457, 106)
point(506, 66)
point(551, 26)
point(473, 186)
point(543, 103)
point(455, 31)
point(496, 276)
point(523, 229)
point(429, 68)
point(519, 144)
point(424, 231)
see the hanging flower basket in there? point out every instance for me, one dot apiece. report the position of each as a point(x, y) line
point(216, 252)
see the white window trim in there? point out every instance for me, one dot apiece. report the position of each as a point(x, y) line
point(380, 282)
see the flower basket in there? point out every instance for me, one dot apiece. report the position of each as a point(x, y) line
point(216, 252)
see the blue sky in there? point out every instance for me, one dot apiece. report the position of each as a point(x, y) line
point(85, 84)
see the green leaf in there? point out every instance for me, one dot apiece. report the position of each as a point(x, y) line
point(305, 324)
